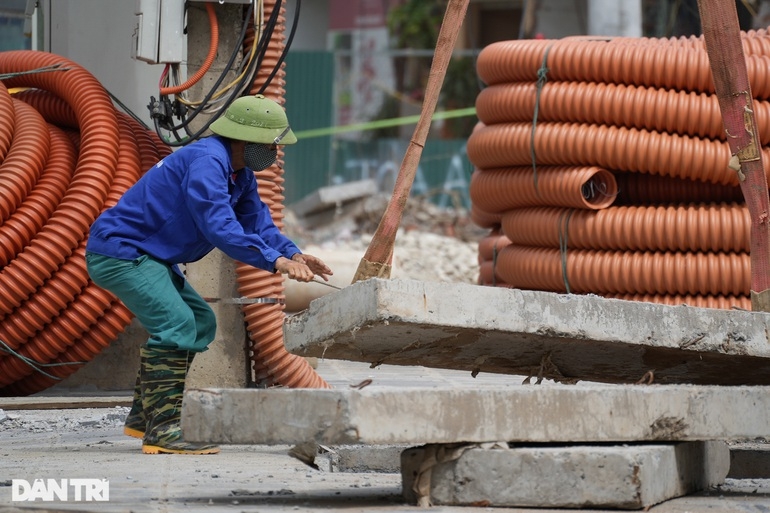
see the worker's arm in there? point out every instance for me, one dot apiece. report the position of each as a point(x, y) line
point(208, 202)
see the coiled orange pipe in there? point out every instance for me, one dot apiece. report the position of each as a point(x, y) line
point(51, 312)
point(660, 110)
point(272, 364)
point(606, 272)
point(207, 62)
point(705, 228)
point(610, 147)
point(643, 109)
point(497, 190)
point(656, 65)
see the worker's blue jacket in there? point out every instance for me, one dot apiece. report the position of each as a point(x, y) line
point(186, 205)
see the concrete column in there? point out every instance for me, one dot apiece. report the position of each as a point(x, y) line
point(615, 18)
point(225, 363)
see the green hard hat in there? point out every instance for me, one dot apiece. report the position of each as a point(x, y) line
point(255, 119)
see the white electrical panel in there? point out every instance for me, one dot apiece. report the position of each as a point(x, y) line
point(159, 31)
point(172, 42)
point(146, 31)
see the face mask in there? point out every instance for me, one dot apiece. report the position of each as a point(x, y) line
point(259, 156)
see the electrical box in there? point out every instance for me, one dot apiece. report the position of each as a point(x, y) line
point(159, 31)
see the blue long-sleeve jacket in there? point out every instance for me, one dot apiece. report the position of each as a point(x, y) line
point(186, 205)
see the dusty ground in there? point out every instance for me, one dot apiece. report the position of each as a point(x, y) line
point(88, 443)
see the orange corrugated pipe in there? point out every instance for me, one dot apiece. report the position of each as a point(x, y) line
point(110, 314)
point(637, 188)
point(501, 189)
point(584, 60)
point(610, 147)
point(63, 308)
point(84, 199)
point(661, 110)
point(706, 228)
point(272, 364)
point(7, 127)
point(51, 311)
point(603, 272)
point(207, 62)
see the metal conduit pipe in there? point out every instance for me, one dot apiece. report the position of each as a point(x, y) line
point(498, 190)
point(272, 364)
point(705, 228)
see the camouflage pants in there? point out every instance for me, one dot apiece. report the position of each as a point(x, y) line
point(172, 312)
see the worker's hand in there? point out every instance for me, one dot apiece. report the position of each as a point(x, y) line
point(293, 269)
point(315, 264)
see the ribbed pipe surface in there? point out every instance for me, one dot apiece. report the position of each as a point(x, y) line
point(67, 155)
point(610, 147)
point(644, 108)
point(272, 364)
point(498, 190)
point(605, 272)
point(612, 62)
point(706, 228)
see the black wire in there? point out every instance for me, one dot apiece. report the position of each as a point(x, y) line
point(204, 103)
point(250, 73)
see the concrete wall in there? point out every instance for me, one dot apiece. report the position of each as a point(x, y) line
point(97, 35)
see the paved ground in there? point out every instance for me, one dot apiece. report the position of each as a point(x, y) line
point(88, 443)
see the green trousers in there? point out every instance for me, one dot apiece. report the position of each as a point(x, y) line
point(172, 312)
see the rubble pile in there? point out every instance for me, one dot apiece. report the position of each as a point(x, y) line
point(433, 243)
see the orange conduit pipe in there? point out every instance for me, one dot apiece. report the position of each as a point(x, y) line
point(635, 188)
point(497, 190)
point(610, 147)
point(271, 363)
point(83, 306)
point(657, 65)
point(51, 312)
point(91, 179)
point(705, 228)
point(608, 272)
point(207, 62)
point(650, 118)
point(670, 111)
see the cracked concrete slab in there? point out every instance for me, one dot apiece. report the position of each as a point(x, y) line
point(532, 333)
point(583, 476)
point(550, 413)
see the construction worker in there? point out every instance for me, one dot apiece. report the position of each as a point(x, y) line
point(200, 197)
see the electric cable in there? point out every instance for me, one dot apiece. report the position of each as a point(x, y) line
point(247, 78)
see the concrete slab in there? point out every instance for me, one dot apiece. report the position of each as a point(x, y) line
point(333, 196)
point(616, 476)
point(532, 333)
point(415, 416)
